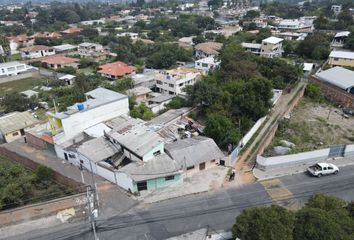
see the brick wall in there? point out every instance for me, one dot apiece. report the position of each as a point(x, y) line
point(335, 94)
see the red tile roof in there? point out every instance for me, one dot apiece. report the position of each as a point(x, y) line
point(35, 48)
point(19, 38)
point(59, 60)
point(117, 69)
point(46, 35)
point(72, 30)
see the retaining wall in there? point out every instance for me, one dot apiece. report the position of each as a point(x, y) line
point(28, 163)
point(304, 158)
point(35, 211)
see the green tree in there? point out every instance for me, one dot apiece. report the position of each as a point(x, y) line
point(324, 202)
point(15, 102)
point(176, 103)
point(266, 223)
point(314, 92)
point(317, 224)
point(142, 111)
point(221, 129)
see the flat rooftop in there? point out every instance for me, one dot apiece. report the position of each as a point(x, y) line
point(97, 97)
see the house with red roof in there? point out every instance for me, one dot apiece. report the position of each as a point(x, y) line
point(36, 51)
point(20, 40)
point(46, 35)
point(116, 70)
point(59, 61)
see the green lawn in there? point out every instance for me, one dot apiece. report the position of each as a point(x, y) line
point(16, 57)
point(86, 70)
point(19, 85)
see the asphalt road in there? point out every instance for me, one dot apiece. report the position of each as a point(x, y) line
point(217, 210)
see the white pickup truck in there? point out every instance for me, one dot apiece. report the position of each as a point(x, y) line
point(320, 169)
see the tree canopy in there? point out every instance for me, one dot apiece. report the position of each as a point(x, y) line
point(322, 217)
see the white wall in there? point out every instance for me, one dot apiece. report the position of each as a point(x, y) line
point(124, 181)
point(79, 121)
point(37, 54)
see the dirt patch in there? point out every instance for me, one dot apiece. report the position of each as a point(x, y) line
point(314, 126)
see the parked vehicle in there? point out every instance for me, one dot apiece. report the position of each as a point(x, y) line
point(320, 169)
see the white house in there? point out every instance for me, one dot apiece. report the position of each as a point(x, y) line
point(92, 50)
point(14, 68)
point(206, 64)
point(270, 47)
point(175, 80)
point(129, 34)
point(101, 105)
point(36, 51)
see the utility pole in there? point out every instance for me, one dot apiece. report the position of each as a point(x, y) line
point(92, 211)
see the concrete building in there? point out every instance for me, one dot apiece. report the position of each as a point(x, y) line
point(101, 105)
point(270, 47)
point(145, 79)
point(337, 84)
point(131, 155)
point(128, 34)
point(207, 49)
point(341, 58)
point(206, 64)
point(303, 24)
point(92, 51)
point(340, 38)
point(13, 125)
point(65, 48)
point(36, 51)
point(14, 68)
point(336, 9)
point(195, 154)
point(68, 79)
point(175, 80)
point(140, 94)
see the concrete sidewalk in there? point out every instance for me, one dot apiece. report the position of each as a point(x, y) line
point(280, 172)
point(204, 181)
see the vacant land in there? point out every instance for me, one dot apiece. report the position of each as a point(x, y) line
point(19, 85)
point(19, 186)
point(314, 126)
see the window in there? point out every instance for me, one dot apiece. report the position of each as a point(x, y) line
point(202, 166)
point(15, 134)
point(171, 85)
point(168, 178)
point(189, 168)
point(159, 82)
point(142, 186)
point(204, 65)
point(157, 153)
point(336, 59)
point(180, 85)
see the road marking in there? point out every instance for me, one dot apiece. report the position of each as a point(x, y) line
point(279, 193)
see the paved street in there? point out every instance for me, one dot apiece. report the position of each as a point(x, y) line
point(217, 209)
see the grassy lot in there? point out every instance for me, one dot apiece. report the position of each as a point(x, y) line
point(19, 186)
point(86, 70)
point(19, 85)
point(16, 57)
point(314, 126)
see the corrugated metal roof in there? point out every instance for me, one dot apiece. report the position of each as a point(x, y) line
point(193, 151)
point(341, 54)
point(338, 76)
point(16, 121)
point(98, 149)
point(160, 166)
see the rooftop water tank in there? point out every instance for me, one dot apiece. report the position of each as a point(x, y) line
point(80, 106)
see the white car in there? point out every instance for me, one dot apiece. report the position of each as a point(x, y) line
point(320, 169)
